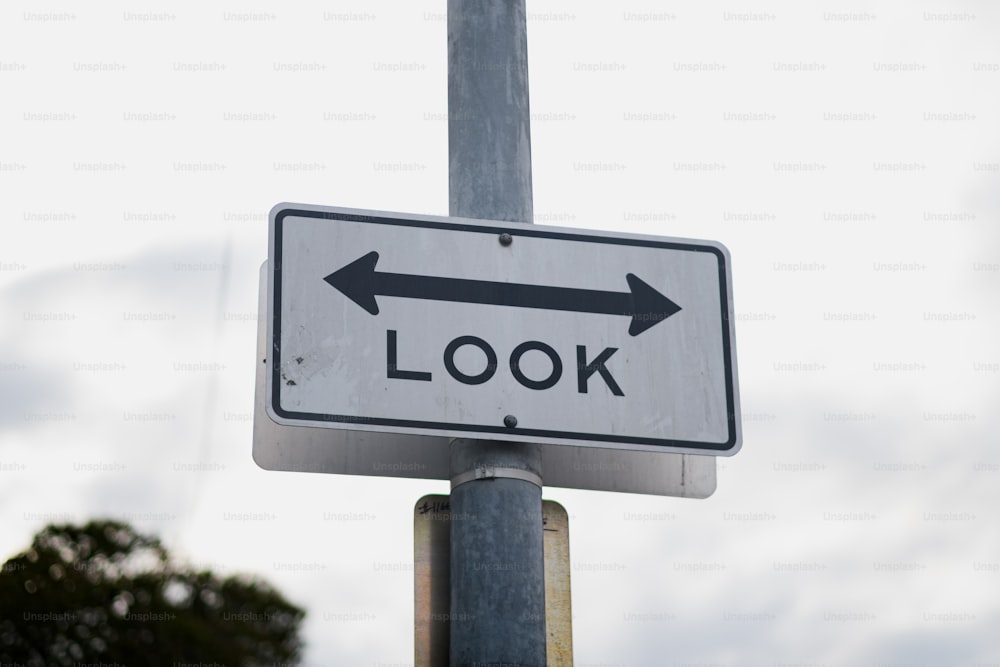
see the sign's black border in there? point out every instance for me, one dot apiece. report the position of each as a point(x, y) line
point(496, 229)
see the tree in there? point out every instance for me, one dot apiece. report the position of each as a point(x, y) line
point(103, 593)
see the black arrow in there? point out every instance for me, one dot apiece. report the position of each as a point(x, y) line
point(360, 282)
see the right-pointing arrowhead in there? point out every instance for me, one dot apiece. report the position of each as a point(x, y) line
point(649, 306)
point(357, 281)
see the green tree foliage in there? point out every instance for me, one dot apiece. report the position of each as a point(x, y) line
point(103, 593)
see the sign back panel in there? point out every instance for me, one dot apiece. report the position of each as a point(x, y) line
point(374, 453)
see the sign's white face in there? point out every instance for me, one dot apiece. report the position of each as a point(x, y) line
point(437, 326)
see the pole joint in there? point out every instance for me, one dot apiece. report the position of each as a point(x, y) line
point(490, 472)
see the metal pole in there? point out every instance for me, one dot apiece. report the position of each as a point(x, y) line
point(497, 577)
point(489, 138)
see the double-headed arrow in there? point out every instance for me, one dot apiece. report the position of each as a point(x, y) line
point(361, 283)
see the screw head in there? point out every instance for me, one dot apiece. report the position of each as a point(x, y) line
point(506, 239)
point(510, 421)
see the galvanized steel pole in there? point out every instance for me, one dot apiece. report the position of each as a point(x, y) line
point(497, 578)
point(489, 138)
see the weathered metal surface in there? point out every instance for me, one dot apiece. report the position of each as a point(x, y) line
point(431, 564)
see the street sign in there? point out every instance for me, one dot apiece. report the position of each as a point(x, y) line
point(432, 585)
point(412, 324)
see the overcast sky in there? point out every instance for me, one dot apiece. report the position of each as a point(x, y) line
point(847, 154)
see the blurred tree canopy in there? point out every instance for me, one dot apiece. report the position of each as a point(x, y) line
point(103, 593)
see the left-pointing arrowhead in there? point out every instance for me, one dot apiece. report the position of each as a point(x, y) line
point(649, 307)
point(357, 281)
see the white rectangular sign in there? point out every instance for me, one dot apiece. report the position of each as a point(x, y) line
point(468, 328)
